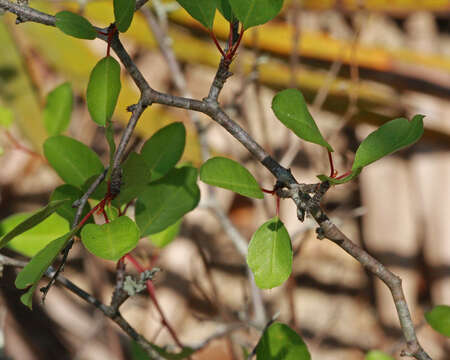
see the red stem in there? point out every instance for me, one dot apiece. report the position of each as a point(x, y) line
point(216, 42)
point(344, 175)
point(238, 42)
point(271, 192)
point(152, 293)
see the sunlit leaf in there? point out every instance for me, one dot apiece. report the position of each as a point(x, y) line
point(270, 254)
point(58, 109)
point(103, 90)
point(229, 174)
point(74, 162)
point(35, 269)
point(290, 108)
point(280, 342)
point(32, 221)
point(255, 12)
point(377, 355)
point(167, 200)
point(75, 25)
point(113, 240)
point(6, 117)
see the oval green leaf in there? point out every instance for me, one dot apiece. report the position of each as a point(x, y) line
point(229, 174)
point(136, 175)
point(30, 242)
point(66, 211)
point(113, 240)
point(255, 12)
point(164, 149)
point(345, 179)
point(123, 13)
point(280, 342)
point(201, 10)
point(377, 355)
point(270, 254)
point(103, 90)
point(35, 269)
point(439, 319)
point(31, 221)
point(388, 138)
point(167, 200)
point(75, 25)
point(6, 117)
point(58, 109)
point(166, 236)
point(290, 108)
point(74, 162)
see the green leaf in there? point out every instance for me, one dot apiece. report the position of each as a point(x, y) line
point(270, 254)
point(35, 269)
point(280, 342)
point(392, 136)
point(123, 13)
point(255, 12)
point(290, 108)
point(6, 117)
point(163, 150)
point(377, 355)
point(136, 175)
point(439, 319)
point(109, 134)
point(99, 192)
point(103, 90)
point(167, 200)
point(137, 352)
point(71, 193)
point(31, 221)
point(74, 162)
point(58, 109)
point(113, 240)
point(30, 242)
point(225, 9)
point(345, 179)
point(183, 354)
point(166, 236)
point(201, 10)
point(229, 174)
point(75, 25)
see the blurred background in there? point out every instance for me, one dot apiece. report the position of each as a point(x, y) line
point(359, 64)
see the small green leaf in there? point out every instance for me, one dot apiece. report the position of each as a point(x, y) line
point(280, 342)
point(103, 90)
point(137, 352)
point(165, 201)
point(183, 354)
point(163, 150)
point(58, 109)
point(71, 193)
point(74, 162)
point(32, 221)
point(201, 10)
point(35, 269)
point(30, 242)
point(75, 25)
point(136, 175)
point(439, 319)
point(109, 134)
point(290, 108)
point(345, 179)
point(377, 355)
point(123, 13)
point(6, 117)
point(255, 12)
point(270, 254)
point(392, 136)
point(229, 174)
point(113, 240)
point(166, 236)
point(225, 9)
